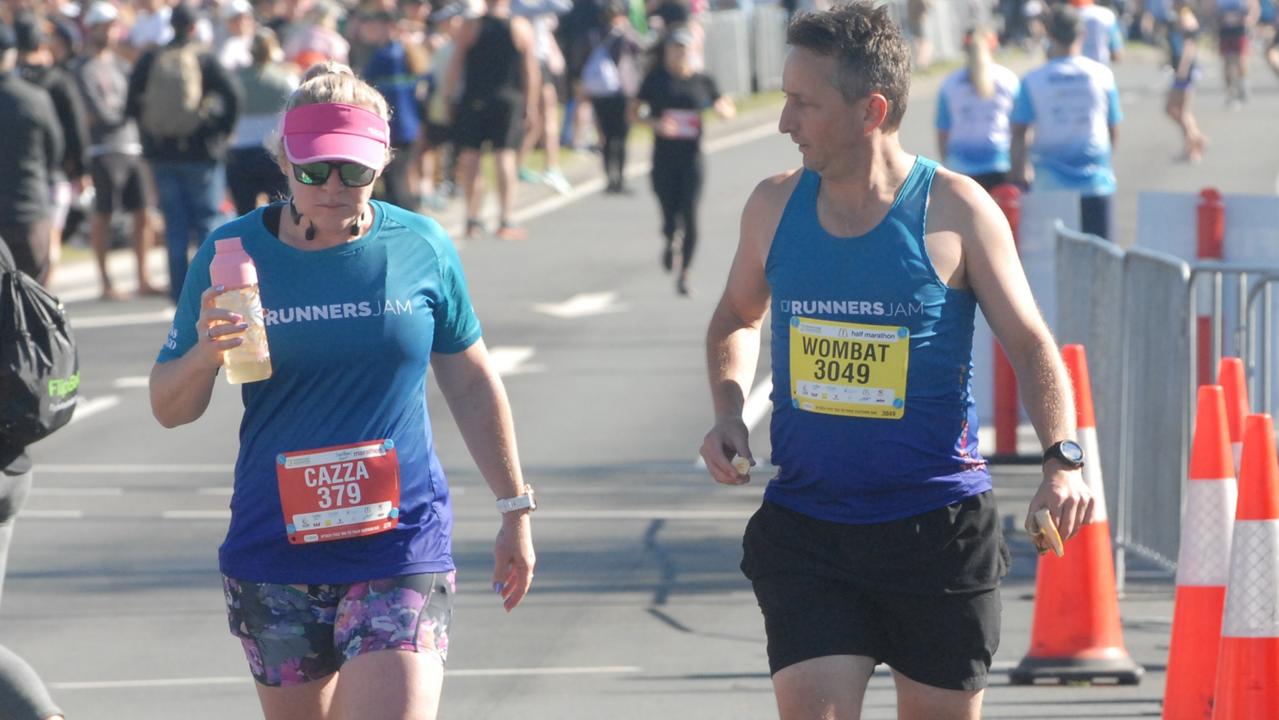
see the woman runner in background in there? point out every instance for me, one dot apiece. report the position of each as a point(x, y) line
point(676, 97)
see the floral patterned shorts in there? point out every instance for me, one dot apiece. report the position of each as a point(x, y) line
point(293, 634)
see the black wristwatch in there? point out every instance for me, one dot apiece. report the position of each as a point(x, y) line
point(1068, 452)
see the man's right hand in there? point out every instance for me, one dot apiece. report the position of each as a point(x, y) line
point(729, 437)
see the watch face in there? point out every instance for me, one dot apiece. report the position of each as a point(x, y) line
point(1072, 452)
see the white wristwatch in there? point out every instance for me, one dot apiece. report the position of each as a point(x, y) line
point(519, 502)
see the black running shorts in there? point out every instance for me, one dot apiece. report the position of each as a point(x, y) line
point(496, 120)
point(918, 594)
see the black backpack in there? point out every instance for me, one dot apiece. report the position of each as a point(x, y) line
point(39, 367)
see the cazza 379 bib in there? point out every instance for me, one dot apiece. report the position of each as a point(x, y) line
point(339, 492)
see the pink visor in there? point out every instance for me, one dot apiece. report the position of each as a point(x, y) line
point(332, 131)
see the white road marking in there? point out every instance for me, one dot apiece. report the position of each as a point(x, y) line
point(221, 491)
point(136, 381)
point(238, 680)
point(509, 360)
point(749, 135)
point(154, 317)
point(757, 404)
point(643, 514)
point(582, 305)
point(75, 492)
point(157, 683)
point(508, 672)
point(103, 469)
point(633, 170)
point(196, 515)
point(51, 514)
point(86, 408)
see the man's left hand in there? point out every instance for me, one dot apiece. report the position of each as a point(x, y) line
point(1067, 497)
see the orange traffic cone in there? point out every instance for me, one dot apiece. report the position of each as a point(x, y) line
point(1248, 673)
point(1076, 634)
point(1231, 379)
point(1203, 562)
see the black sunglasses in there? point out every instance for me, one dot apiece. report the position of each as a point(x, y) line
point(317, 173)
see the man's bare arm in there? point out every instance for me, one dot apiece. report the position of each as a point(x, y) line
point(994, 272)
point(732, 340)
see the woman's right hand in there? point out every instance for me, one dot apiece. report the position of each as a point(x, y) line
point(217, 330)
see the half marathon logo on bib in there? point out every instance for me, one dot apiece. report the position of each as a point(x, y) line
point(839, 368)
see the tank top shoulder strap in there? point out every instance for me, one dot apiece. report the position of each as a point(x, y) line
point(800, 214)
point(912, 199)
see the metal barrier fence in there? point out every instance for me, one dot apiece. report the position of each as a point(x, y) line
point(1240, 300)
point(1136, 313)
point(1089, 300)
point(1154, 431)
point(728, 50)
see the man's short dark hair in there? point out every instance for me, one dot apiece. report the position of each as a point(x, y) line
point(1064, 25)
point(868, 46)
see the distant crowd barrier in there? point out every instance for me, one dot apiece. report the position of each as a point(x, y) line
point(746, 48)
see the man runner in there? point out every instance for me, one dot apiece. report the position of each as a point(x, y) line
point(879, 539)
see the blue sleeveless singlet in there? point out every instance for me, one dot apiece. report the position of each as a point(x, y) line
point(873, 415)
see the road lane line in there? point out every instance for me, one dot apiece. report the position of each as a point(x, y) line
point(76, 492)
point(51, 514)
point(155, 317)
point(88, 408)
point(459, 673)
point(633, 170)
point(638, 514)
point(645, 514)
point(508, 672)
point(135, 381)
point(195, 515)
point(757, 403)
point(133, 469)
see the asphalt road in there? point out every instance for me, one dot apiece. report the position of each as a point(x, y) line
point(638, 609)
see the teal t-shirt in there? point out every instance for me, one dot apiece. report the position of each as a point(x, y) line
point(351, 330)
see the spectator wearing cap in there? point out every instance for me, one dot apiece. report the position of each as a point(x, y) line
point(186, 105)
point(30, 155)
point(120, 178)
point(37, 65)
point(236, 40)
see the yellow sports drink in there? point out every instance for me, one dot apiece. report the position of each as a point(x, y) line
point(234, 269)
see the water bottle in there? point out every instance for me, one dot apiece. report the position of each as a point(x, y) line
point(233, 268)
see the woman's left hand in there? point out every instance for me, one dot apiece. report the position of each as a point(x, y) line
point(513, 559)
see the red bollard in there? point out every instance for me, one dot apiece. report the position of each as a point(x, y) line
point(1211, 218)
point(1210, 244)
point(1007, 413)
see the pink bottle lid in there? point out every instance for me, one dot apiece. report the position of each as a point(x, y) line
point(231, 265)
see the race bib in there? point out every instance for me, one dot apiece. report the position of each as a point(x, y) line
point(339, 492)
point(839, 368)
point(684, 124)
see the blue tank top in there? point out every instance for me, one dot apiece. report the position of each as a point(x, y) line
point(873, 414)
